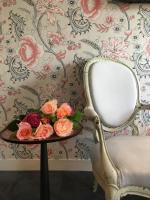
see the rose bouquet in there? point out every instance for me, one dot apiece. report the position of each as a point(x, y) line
point(49, 119)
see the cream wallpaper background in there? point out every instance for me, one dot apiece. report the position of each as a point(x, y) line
point(44, 45)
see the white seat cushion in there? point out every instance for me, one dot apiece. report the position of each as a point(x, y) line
point(131, 156)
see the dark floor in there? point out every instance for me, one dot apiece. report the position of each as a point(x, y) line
point(64, 186)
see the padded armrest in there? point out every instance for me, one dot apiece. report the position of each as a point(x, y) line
point(90, 113)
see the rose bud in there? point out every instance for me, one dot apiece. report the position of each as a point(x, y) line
point(45, 120)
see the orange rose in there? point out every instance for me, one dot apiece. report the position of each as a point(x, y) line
point(49, 107)
point(63, 127)
point(64, 110)
point(25, 131)
point(43, 131)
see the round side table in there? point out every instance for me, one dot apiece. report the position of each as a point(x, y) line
point(10, 136)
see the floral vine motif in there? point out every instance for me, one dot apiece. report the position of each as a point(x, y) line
point(4, 111)
point(16, 68)
point(18, 24)
point(36, 101)
point(145, 117)
point(144, 21)
point(115, 48)
point(78, 69)
point(50, 9)
point(21, 107)
point(82, 150)
point(60, 55)
point(141, 64)
point(77, 21)
point(93, 45)
point(21, 151)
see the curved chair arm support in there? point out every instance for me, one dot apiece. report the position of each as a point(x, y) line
point(107, 166)
point(92, 116)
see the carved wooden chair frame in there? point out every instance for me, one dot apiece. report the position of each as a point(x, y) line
point(108, 178)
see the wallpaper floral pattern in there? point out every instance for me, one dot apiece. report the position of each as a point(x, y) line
point(44, 45)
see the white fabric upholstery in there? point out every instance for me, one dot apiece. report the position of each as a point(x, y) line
point(114, 88)
point(131, 156)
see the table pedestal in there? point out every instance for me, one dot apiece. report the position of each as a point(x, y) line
point(10, 136)
point(44, 175)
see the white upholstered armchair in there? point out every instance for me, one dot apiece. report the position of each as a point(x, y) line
point(121, 164)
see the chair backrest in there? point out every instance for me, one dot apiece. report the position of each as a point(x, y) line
point(113, 90)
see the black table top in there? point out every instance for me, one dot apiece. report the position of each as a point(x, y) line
point(10, 136)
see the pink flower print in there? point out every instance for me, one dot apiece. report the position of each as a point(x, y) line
point(148, 48)
point(50, 9)
point(8, 3)
point(1, 83)
point(46, 68)
point(73, 46)
point(128, 33)
point(148, 132)
point(109, 19)
point(61, 55)
point(28, 51)
point(56, 38)
point(2, 98)
point(124, 7)
point(115, 48)
point(1, 37)
point(89, 10)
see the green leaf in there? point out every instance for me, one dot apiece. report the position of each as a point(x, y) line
point(13, 125)
point(77, 116)
point(76, 125)
point(34, 129)
point(53, 118)
point(32, 110)
point(19, 117)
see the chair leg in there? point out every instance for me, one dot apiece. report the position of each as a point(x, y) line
point(111, 194)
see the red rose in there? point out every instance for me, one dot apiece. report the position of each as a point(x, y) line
point(33, 119)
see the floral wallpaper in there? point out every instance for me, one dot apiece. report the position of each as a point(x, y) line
point(44, 45)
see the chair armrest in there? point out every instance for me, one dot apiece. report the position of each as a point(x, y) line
point(90, 113)
point(144, 106)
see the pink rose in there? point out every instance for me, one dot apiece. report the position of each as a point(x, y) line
point(25, 131)
point(63, 127)
point(33, 119)
point(64, 110)
point(43, 131)
point(49, 107)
